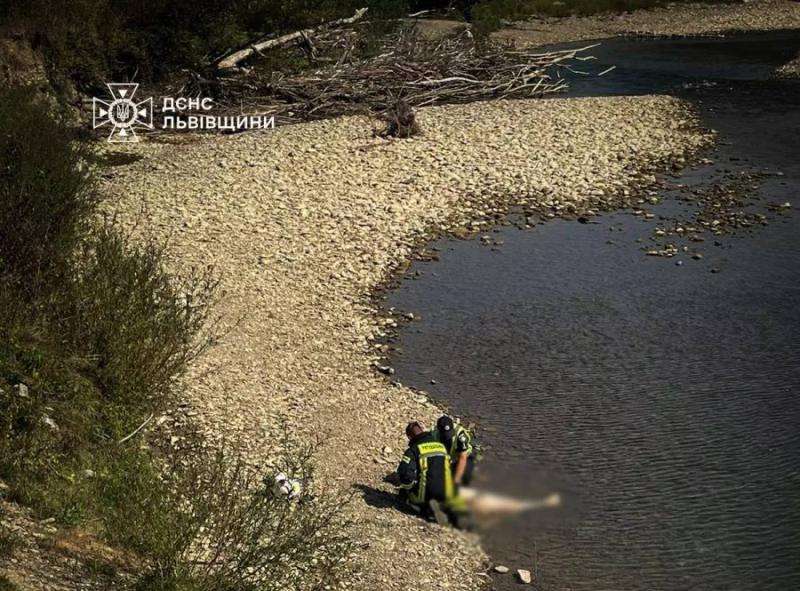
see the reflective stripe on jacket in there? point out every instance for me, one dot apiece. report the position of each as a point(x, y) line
point(461, 442)
point(425, 470)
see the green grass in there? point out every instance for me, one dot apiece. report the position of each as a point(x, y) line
point(95, 329)
point(88, 42)
point(96, 333)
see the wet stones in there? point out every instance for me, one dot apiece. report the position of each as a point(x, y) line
point(789, 70)
point(719, 207)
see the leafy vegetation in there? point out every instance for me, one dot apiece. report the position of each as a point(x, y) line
point(260, 541)
point(91, 41)
point(87, 42)
point(96, 333)
point(95, 330)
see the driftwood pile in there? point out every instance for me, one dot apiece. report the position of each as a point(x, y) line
point(410, 71)
point(453, 70)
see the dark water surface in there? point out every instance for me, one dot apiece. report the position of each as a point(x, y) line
point(662, 401)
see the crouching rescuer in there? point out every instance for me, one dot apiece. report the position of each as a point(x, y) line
point(426, 478)
point(458, 441)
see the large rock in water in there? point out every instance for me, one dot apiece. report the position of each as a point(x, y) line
point(524, 576)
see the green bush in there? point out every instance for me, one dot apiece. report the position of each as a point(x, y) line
point(223, 529)
point(89, 42)
point(137, 322)
point(95, 333)
point(45, 192)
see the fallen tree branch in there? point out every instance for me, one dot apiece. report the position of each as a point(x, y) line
point(409, 71)
point(139, 428)
point(420, 72)
point(233, 60)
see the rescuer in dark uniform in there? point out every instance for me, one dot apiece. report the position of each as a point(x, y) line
point(425, 475)
point(458, 441)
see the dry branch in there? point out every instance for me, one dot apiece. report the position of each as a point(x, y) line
point(304, 36)
point(418, 71)
point(453, 70)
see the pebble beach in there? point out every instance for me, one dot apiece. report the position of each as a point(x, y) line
point(673, 20)
point(307, 226)
point(305, 223)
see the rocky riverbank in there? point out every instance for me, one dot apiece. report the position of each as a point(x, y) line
point(790, 69)
point(672, 20)
point(305, 222)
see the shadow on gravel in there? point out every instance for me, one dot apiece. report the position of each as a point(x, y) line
point(375, 497)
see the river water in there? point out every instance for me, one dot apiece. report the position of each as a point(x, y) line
point(661, 400)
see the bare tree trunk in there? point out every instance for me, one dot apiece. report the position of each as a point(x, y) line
point(232, 60)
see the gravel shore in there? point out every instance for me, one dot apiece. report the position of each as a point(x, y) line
point(305, 222)
point(790, 69)
point(673, 20)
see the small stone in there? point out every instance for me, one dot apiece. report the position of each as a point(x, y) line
point(89, 473)
point(501, 569)
point(697, 256)
point(50, 422)
point(787, 205)
point(434, 382)
point(715, 270)
point(22, 390)
point(678, 263)
point(524, 576)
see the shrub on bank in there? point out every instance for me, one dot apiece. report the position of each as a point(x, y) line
point(88, 42)
point(95, 333)
point(95, 330)
point(44, 209)
point(260, 541)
